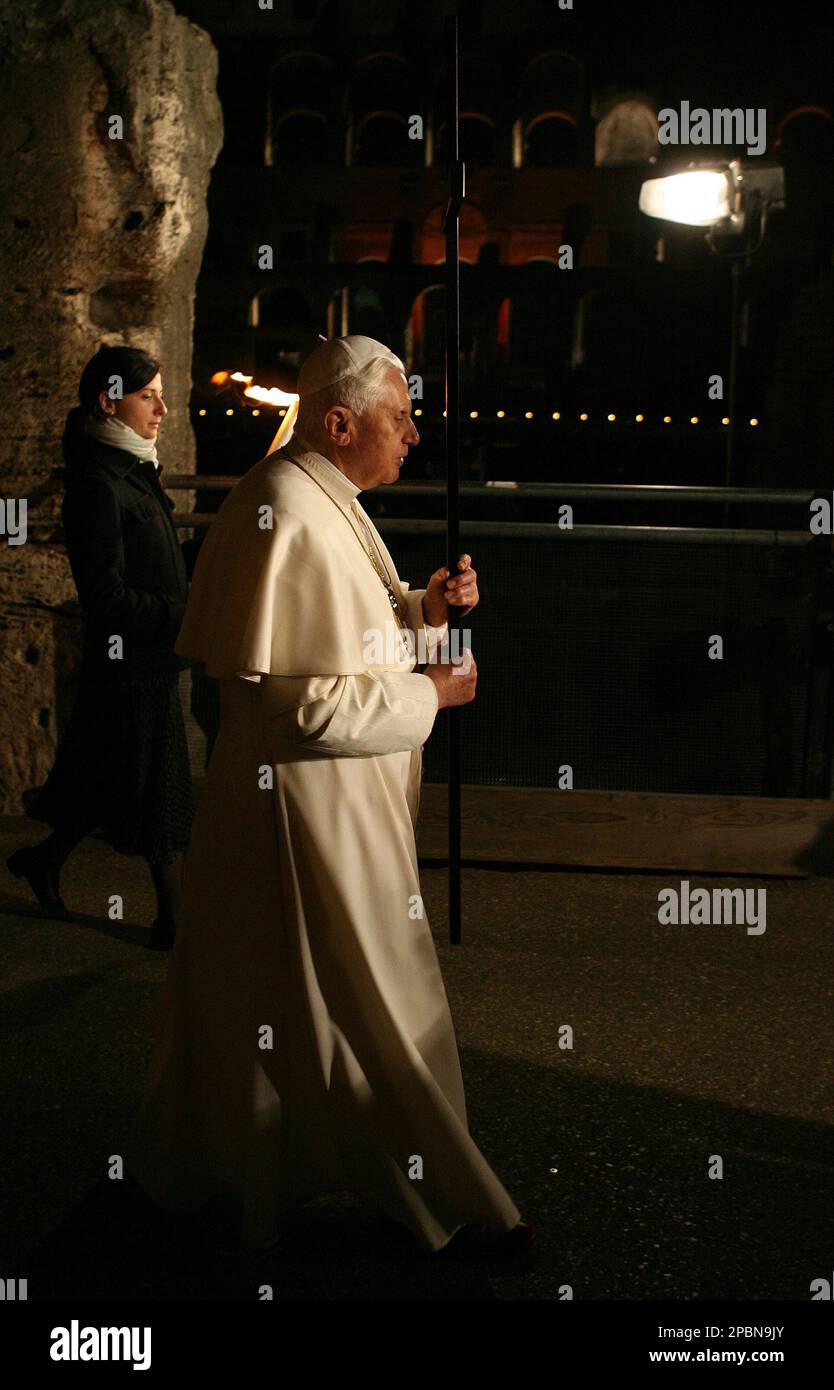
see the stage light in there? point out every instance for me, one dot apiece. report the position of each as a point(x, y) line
point(698, 197)
point(733, 200)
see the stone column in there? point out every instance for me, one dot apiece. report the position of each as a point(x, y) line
point(100, 243)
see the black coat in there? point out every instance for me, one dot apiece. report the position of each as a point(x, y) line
point(126, 561)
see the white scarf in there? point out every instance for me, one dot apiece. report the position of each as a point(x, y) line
point(115, 432)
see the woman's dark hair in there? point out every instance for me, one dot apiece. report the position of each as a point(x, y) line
point(133, 366)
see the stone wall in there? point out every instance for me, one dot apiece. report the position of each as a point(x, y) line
point(100, 242)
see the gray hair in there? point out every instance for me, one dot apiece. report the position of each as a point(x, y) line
point(360, 392)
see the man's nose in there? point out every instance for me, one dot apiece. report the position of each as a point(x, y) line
point(414, 437)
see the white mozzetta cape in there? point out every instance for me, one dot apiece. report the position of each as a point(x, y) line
point(300, 598)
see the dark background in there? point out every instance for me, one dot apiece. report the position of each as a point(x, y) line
point(316, 163)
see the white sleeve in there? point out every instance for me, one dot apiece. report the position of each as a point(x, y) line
point(360, 716)
point(434, 636)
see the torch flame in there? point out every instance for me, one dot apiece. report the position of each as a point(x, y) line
point(266, 395)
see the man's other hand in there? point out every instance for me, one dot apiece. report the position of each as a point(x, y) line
point(455, 680)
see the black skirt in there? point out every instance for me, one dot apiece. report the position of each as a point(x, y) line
point(122, 766)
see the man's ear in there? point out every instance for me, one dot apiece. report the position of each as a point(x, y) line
point(338, 424)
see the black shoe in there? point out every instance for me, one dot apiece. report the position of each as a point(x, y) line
point(162, 936)
point(42, 878)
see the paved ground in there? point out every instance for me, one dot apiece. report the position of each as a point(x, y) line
point(689, 1041)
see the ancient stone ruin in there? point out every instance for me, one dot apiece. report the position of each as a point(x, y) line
point(109, 126)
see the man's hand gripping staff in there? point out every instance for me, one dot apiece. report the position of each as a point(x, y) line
point(455, 680)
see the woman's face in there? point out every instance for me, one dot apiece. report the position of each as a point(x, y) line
point(142, 410)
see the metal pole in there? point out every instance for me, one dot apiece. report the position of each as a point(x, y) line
point(735, 276)
point(452, 230)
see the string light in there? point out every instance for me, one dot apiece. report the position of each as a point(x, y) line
point(502, 414)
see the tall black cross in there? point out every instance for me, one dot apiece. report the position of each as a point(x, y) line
point(452, 230)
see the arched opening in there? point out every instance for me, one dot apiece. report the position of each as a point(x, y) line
point(551, 107)
point(284, 320)
point(626, 134)
point(293, 116)
point(384, 94)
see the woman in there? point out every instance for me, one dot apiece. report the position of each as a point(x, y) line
point(123, 761)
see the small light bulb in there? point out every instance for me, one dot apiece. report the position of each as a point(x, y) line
point(639, 419)
point(256, 412)
point(754, 421)
point(726, 420)
point(230, 411)
point(201, 412)
point(693, 420)
point(667, 419)
point(500, 414)
point(612, 417)
point(583, 417)
point(528, 414)
point(556, 415)
point(418, 412)
point(473, 414)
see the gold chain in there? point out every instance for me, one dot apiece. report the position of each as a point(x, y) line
point(385, 577)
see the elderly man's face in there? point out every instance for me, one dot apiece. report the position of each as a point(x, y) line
point(383, 436)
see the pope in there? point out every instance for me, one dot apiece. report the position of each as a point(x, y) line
point(305, 1043)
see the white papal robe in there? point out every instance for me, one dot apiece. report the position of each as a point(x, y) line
point(305, 1043)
